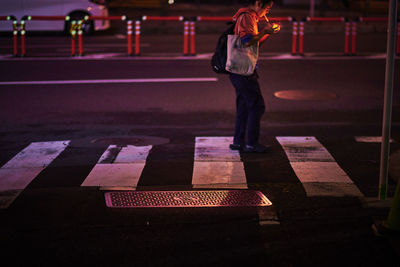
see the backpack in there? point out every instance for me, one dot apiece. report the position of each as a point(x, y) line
point(218, 60)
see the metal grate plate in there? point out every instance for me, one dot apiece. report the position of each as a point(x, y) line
point(163, 199)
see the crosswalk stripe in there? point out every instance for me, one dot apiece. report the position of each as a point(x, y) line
point(118, 168)
point(17, 173)
point(316, 168)
point(216, 166)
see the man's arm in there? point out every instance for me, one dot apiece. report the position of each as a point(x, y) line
point(264, 34)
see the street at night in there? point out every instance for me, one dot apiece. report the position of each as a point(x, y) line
point(77, 130)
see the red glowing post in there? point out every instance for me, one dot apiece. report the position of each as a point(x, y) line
point(80, 38)
point(186, 38)
point(192, 38)
point(353, 37)
point(301, 38)
point(23, 40)
point(73, 37)
point(15, 38)
point(294, 38)
point(347, 38)
point(137, 38)
point(129, 36)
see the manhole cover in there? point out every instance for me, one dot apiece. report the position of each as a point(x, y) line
point(304, 95)
point(133, 140)
point(162, 199)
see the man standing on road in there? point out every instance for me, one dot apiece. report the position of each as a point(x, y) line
point(249, 101)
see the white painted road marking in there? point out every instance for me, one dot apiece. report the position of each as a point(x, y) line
point(148, 80)
point(370, 139)
point(17, 173)
point(216, 166)
point(118, 168)
point(316, 168)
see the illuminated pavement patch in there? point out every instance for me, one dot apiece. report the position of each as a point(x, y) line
point(172, 199)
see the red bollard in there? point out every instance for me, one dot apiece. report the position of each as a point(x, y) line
point(23, 40)
point(73, 38)
point(80, 38)
point(73, 44)
point(301, 38)
point(192, 38)
point(15, 38)
point(186, 38)
point(129, 36)
point(353, 37)
point(294, 38)
point(137, 38)
point(347, 38)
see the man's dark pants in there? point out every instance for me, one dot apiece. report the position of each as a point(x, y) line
point(249, 108)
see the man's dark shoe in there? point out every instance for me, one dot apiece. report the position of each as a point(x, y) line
point(257, 149)
point(235, 147)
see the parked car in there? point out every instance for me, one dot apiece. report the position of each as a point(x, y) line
point(76, 9)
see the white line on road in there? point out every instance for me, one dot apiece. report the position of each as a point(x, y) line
point(370, 139)
point(17, 173)
point(118, 168)
point(148, 80)
point(216, 166)
point(316, 168)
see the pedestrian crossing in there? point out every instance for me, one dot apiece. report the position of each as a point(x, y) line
point(215, 166)
point(119, 168)
point(17, 173)
point(316, 168)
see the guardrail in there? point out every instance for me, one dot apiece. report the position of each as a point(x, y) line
point(189, 31)
point(15, 31)
point(75, 30)
point(159, 18)
point(326, 20)
point(374, 19)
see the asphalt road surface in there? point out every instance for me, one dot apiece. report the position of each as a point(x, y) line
point(75, 109)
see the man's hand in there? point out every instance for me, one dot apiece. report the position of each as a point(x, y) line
point(271, 28)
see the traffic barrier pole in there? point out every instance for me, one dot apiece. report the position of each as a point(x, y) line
point(15, 38)
point(347, 38)
point(73, 37)
point(192, 38)
point(23, 40)
point(354, 38)
point(80, 38)
point(294, 38)
point(129, 36)
point(301, 38)
point(205, 18)
point(137, 38)
point(186, 38)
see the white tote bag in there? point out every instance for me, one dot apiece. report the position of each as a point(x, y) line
point(241, 59)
